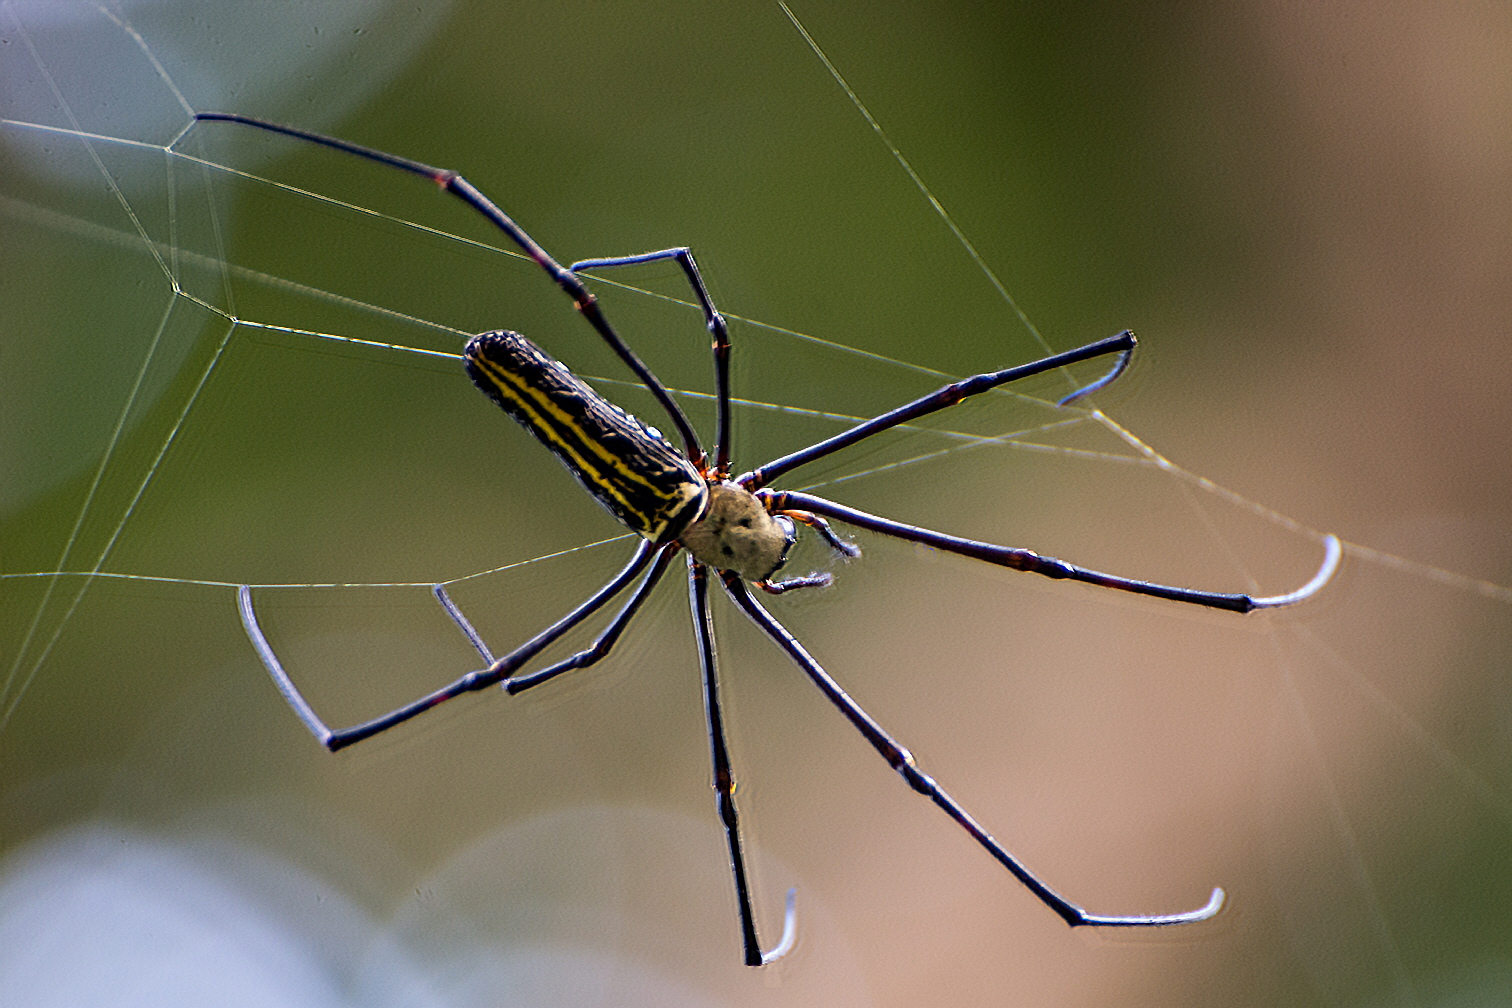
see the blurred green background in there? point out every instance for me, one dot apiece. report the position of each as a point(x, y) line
point(1303, 213)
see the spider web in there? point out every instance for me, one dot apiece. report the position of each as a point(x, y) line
point(230, 361)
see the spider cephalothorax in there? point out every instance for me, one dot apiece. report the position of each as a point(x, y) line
point(737, 534)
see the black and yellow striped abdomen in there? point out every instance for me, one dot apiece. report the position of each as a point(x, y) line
point(629, 467)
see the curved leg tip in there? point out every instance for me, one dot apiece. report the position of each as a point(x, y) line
point(1209, 910)
point(1333, 553)
point(1214, 904)
point(789, 931)
point(1086, 390)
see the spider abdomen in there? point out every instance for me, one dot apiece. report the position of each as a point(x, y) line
point(627, 466)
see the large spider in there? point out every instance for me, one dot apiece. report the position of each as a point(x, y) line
point(681, 500)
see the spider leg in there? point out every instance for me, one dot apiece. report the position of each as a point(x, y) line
point(949, 395)
point(463, 623)
point(1092, 388)
point(607, 639)
point(498, 671)
point(724, 776)
point(813, 521)
point(717, 329)
point(793, 584)
point(451, 182)
point(1028, 560)
point(901, 760)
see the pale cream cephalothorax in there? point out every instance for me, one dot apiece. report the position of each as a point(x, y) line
point(737, 534)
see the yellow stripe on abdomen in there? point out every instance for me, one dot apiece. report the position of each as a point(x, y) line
point(627, 466)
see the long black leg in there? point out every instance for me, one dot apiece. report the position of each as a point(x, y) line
point(1122, 344)
point(1028, 560)
point(501, 669)
point(724, 776)
point(901, 760)
point(606, 640)
point(718, 330)
point(464, 190)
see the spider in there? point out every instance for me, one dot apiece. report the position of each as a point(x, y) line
point(682, 500)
